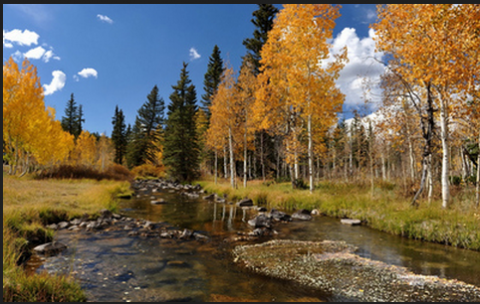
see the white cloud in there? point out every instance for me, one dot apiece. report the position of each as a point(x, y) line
point(58, 82)
point(194, 54)
point(88, 72)
point(19, 37)
point(104, 19)
point(361, 67)
point(49, 55)
point(17, 56)
point(35, 53)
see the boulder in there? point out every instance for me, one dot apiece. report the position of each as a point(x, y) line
point(260, 221)
point(351, 222)
point(50, 248)
point(280, 216)
point(158, 202)
point(209, 197)
point(76, 221)
point(53, 226)
point(246, 202)
point(186, 234)
point(104, 213)
point(302, 214)
point(63, 225)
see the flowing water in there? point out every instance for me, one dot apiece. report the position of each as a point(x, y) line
point(112, 266)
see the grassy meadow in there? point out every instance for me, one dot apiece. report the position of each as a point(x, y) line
point(388, 209)
point(28, 206)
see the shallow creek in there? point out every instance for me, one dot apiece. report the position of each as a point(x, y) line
point(112, 266)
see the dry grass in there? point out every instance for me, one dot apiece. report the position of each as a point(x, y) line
point(387, 210)
point(28, 205)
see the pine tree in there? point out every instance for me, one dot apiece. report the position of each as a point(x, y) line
point(181, 151)
point(263, 22)
point(119, 135)
point(71, 122)
point(212, 79)
point(80, 120)
point(149, 120)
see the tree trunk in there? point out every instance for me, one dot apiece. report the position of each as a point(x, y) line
point(310, 152)
point(478, 173)
point(427, 130)
point(445, 156)
point(297, 169)
point(262, 156)
point(225, 167)
point(384, 173)
point(230, 143)
point(216, 164)
point(245, 159)
point(430, 178)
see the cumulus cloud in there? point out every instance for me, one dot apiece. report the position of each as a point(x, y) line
point(104, 19)
point(87, 72)
point(362, 67)
point(35, 53)
point(58, 82)
point(17, 56)
point(49, 55)
point(19, 37)
point(194, 54)
point(40, 53)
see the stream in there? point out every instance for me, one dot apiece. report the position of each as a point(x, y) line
point(112, 266)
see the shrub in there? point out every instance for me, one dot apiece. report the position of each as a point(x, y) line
point(114, 172)
point(148, 170)
point(455, 180)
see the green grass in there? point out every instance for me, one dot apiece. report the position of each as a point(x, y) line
point(388, 210)
point(29, 205)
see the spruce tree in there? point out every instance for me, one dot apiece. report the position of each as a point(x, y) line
point(119, 136)
point(144, 132)
point(180, 149)
point(70, 122)
point(212, 79)
point(263, 22)
point(80, 120)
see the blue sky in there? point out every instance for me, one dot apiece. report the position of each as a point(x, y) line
point(108, 55)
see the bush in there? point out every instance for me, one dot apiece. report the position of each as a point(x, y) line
point(300, 184)
point(114, 172)
point(148, 171)
point(455, 180)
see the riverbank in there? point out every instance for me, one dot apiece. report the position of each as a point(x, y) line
point(334, 268)
point(28, 206)
point(387, 211)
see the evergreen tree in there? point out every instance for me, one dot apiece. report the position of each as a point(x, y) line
point(212, 79)
point(80, 120)
point(119, 135)
point(144, 132)
point(263, 22)
point(70, 122)
point(181, 150)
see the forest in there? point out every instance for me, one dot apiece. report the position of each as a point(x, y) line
point(278, 117)
point(273, 132)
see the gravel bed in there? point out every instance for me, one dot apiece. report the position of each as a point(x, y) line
point(335, 269)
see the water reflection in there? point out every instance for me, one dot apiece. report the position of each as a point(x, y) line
point(205, 272)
